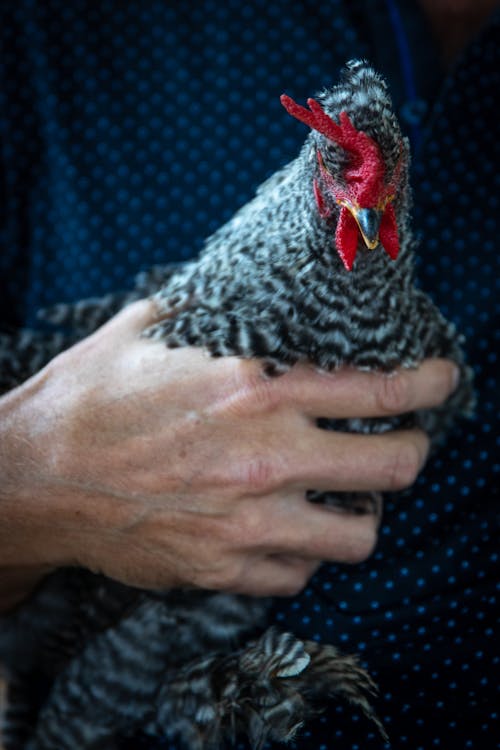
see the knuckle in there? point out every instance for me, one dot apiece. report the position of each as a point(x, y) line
point(252, 392)
point(262, 474)
point(248, 528)
point(403, 467)
point(394, 394)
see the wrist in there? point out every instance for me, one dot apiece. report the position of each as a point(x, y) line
point(28, 550)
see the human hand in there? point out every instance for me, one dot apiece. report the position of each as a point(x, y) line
point(166, 468)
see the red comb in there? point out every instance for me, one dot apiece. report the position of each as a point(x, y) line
point(368, 168)
point(315, 117)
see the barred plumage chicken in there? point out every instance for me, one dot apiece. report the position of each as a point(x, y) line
point(317, 268)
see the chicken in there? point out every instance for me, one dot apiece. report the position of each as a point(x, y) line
point(318, 267)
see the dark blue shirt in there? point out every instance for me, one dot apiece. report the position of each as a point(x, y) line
point(130, 131)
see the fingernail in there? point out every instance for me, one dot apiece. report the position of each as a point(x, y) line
point(455, 377)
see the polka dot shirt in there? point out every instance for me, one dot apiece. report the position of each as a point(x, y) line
point(131, 131)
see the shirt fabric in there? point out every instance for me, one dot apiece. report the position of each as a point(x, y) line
point(131, 131)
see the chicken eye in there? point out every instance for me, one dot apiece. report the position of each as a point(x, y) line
point(321, 162)
point(385, 202)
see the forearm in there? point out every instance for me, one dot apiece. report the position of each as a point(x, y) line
point(24, 511)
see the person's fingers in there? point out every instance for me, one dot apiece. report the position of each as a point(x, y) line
point(288, 526)
point(351, 393)
point(320, 533)
point(348, 462)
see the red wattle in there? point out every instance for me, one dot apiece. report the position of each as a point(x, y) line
point(388, 232)
point(346, 237)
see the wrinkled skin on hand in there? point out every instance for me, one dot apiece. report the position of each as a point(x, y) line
point(168, 468)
